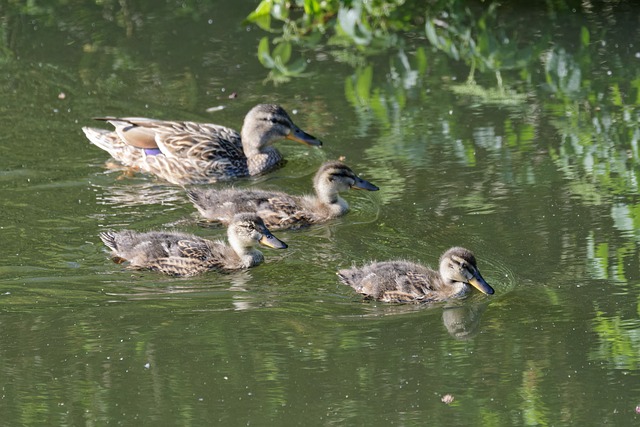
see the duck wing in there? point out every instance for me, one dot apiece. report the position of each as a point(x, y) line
point(194, 249)
point(416, 284)
point(393, 281)
point(282, 211)
point(278, 210)
point(199, 141)
point(185, 140)
point(178, 266)
point(190, 257)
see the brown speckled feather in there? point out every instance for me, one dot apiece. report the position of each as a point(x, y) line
point(182, 254)
point(280, 210)
point(403, 281)
point(192, 153)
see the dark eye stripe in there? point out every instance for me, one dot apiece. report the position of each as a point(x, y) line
point(343, 174)
point(276, 120)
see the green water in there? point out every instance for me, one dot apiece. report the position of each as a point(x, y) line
point(539, 178)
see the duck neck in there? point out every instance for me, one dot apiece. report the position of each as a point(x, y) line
point(330, 198)
point(248, 254)
point(254, 143)
point(455, 289)
point(260, 162)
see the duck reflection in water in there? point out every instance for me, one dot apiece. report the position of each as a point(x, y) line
point(137, 194)
point(463, 321)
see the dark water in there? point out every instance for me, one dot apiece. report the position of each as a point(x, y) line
point(539, 179)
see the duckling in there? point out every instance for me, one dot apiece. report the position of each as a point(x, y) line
point(182, 254)
point(199, 153)
point(403, 281)
point(281, 210)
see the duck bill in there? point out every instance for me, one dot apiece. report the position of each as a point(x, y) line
point(298, 135)
point(362, 184)
point(271, 241)
point(478, 282)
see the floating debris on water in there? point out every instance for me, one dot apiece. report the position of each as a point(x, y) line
point(213, 109)
point(447, 399)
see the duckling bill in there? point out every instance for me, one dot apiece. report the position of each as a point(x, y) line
point(184, 152)
point(182, 254)
point(280, 210)
point(403, 281)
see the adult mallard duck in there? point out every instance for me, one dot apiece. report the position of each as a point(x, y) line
point(281, 210)
point(403, 281)
point(182, 254)
point(198, 153)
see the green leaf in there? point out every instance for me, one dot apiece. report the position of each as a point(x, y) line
point(263, 53)
point(351, 22)
point(363, 83)
point(349, 91)
point(430, 30)
point(421, 59)
point(311, 7)
point(585, 36)
point(280, 11)
point(262, 15)
point(635, 83)
point(297, 66)
point(616, 95)
point(282, 52)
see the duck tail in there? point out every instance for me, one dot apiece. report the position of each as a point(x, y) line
point(105, 139)
point(194, 196)
point(346, 277)
point(106, 118)
point(111, 143)
point(109, 239)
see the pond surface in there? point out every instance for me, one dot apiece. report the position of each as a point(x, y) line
point(534, 167)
